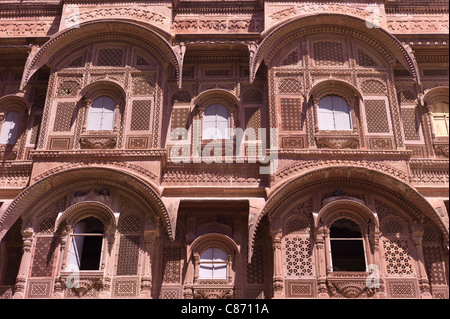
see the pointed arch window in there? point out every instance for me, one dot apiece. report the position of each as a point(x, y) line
point(8, 134)
point(334, 114)
point(347, 247)
point(216, 122)
point(101, 114)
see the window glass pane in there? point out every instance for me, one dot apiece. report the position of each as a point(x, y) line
point(90, 258)
point(220, 271)
point(345, 228)
point(348, 255)
point(342, 118)
point(207, 255)
point(8, 133)
point(325, 114)
point(219, 255)
point(216, 122)
point(75, 253)
point(206, 271)
point(440, 126)
point(101, 114)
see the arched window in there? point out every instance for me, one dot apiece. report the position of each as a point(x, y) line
point(216, 122)
point(347, 248)
point(440, 118)
point(87, 242)
point(101, 114)
point(334, 114)
point(213, 264)
point(8, 133)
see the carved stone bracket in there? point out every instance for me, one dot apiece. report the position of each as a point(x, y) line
point(98, 142)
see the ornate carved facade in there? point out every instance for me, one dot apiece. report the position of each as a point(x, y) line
point(228, 149)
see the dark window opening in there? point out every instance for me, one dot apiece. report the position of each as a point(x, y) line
point(87, 242)
point(347, 249)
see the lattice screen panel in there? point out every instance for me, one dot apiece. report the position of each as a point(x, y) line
point(376, 116)
point(110, 57)
point(63, 118)
point(328, 53)
point(44, 253)
point(298, 257)
point(128, 256)
point(291, 115)
point(171, 264)
point(397, 257)
point(410, 125)
point(140, 115)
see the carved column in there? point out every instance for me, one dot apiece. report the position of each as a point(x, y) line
point(417, 235)
point(321, 263)
point(146, 269)
point(377, 259)
point(278, 287)
point(19, 289)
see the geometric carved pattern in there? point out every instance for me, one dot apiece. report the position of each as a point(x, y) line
point(328, 53)
point(47, 225)
point(130, 223)
point(140, 115)
point(179, 120)
point(59, 143)
point(380, 143)
point(110, 57)
point(68, 88)
point(410, 124)
point(142, 87)
point(377, 120)
point(392, 226)
point(63, 118)
point(137, 142)
point(291, 114)
point(171, 264)
point(292, 142)
point(255, 270)
point(406, 96)
point(125, 287)
point(170, 293)
point(43, 257)
point(300, 289)
point(365, 60)
point(290, 86)
point(373, 87)
point(291, 59)
point(252, 96)
point(434, 265)
point(127, 263)
point(298, 257)
point(402, 289)
point(39, 289)
point(253, 118)
point(398, 259)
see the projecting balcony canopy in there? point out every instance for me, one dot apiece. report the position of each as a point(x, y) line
point(62, 43)
point(276, 38)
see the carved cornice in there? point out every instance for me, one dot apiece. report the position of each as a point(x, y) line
point(96, 154)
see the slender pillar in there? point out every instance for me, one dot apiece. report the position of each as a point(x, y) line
point(417, 235)
point(321, 263)
point(278, 284)
point(19, 291)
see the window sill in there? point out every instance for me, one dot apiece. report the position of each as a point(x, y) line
point(103, 141)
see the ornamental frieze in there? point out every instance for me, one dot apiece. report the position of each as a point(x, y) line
point(148, 16)
point(217, 25)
